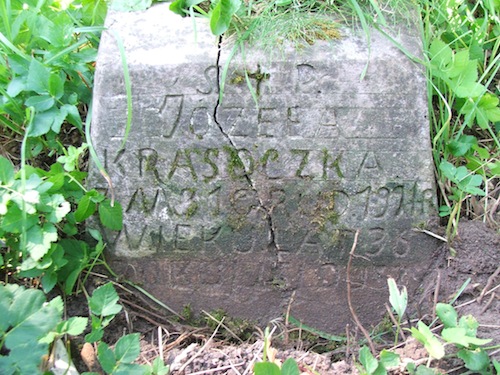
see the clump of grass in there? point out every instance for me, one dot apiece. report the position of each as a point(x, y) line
point(294, 26)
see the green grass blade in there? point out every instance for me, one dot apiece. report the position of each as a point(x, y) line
point(66, 50)
point(380, 15)
point(315, 331)
point(128, 87)
point(30, 113)
point(12, 47)
point(94, 156)
point(460, 291)
point(5, 8)
point(11, 125)
point(364, 24)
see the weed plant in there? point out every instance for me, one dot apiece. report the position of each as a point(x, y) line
point(47, 53)
point(462, 41)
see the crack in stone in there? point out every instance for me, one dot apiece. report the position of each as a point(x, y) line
point(272, 245)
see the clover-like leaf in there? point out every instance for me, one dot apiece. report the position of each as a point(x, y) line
point(104, 301)
point(458, 335)
point(111, 216)
point(127, 348)
point(431, 343)
point(397, 298)
point(6, 172)
point(222, 15)
point(447, 314)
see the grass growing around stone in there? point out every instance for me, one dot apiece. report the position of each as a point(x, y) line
point(47, 55)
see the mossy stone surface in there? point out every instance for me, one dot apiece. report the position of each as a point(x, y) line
point(221, 199)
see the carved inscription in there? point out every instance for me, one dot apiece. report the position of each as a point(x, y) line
point(312, 168)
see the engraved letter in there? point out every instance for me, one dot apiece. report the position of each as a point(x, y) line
point(334, 164)
point(200, 122)
point(211, 163)
point(303, 162)
point(269, 122)
point(178, 163)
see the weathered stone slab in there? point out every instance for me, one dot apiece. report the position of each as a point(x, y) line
point(238, 206)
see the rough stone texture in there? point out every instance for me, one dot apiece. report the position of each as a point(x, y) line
point(236, 206)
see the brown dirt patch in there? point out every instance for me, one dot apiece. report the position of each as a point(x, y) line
point(208, 350)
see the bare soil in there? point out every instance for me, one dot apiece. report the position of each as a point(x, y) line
point(207, 347)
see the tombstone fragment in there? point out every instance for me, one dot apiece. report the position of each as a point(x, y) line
point(233, 205)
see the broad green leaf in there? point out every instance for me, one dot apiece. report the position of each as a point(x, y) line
point(290, 367)
point(433, 346)
point(496, 364)
point(222, 15)
point(484, 111)
point(6, 298)
point(482, 152)
point(27, 201)
point(467, 89)
point(447, 169)
point(73, 326)
point(128, 348)
point(94, 336)
point(368, 361)
point(159, 367)
point(72, 115)
point(42, 122)
point(56, 86)
point(6, 172)
point(38, 77)
point(470, 324)
point(4, 201)
point(24, 302)
point(461, 62)
point(86, 208)
point(31, 197)
point(49, 280)
point(389, 359)
point(470, 183)
point(179, 7)
point(106, 357)
point(266, 368)
point(56, 208)
point(40, 320)
point(487, 111)
point(475, 360)
point(40, 240)
point(71, 159)
point(447, 314)
point(111, 217)
point(132, 369)
point(440, 52)
point(458, 335)
point(59, 117)
point(34, 181)
point(462, 145)
point(16, 86)
point(397, 299)
point(40, 102)
point(104, 301)
point(13, 220)
point(18, 64)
